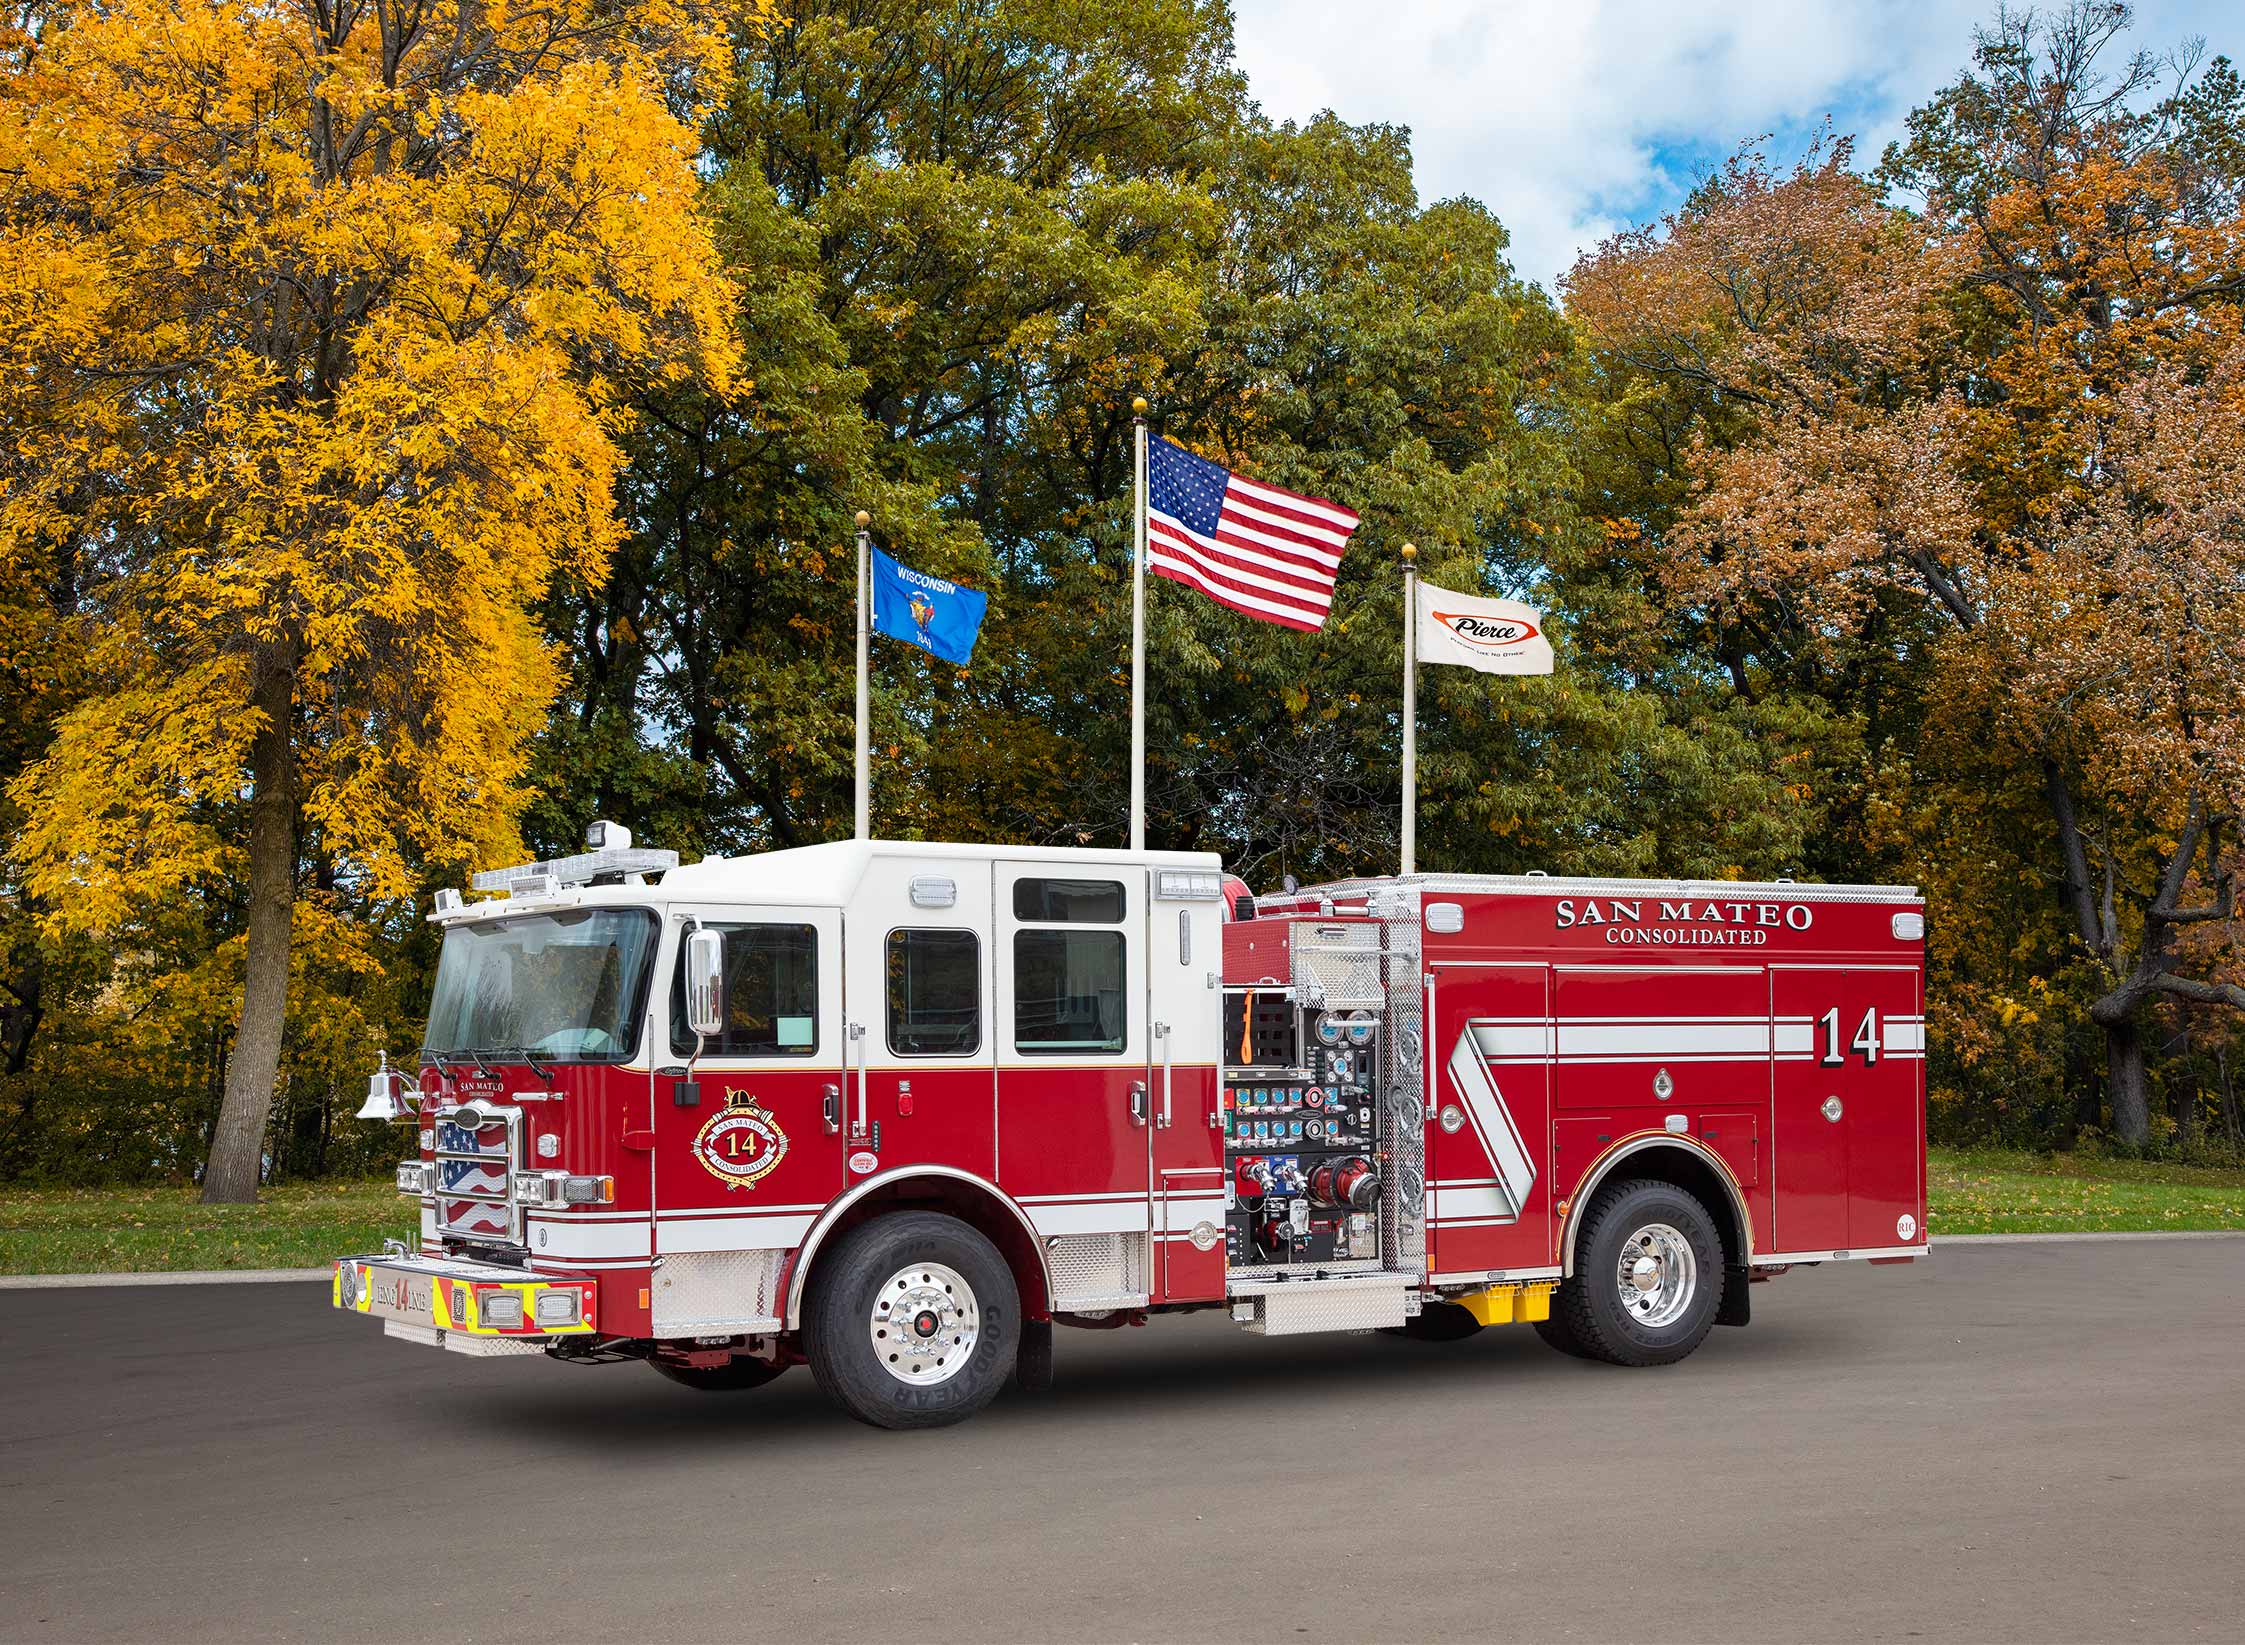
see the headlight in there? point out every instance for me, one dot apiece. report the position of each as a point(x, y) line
point(501, 1310)
point(413, 1178)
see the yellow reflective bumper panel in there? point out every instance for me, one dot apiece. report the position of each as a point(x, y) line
point(425, 1294)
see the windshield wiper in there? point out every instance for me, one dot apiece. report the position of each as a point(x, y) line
point(524, 1052)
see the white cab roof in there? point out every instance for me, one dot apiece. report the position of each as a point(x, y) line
point(828, 875)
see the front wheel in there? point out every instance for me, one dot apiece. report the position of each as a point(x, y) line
point(913, 1321)
point(1648, 1278)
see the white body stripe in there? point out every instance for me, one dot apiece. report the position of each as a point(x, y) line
point(1100, 1217)
point(779, 1232)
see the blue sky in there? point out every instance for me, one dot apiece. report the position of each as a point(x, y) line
point(1572, 118)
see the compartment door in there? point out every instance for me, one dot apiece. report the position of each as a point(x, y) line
point(1886, 1108)
point(1813, 1010)
point(1489, 1134)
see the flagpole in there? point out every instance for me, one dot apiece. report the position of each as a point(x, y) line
point(864, 628)
point(1138, 634)
point(1410, 709)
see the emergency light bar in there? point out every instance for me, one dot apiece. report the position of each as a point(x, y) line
point(612, 853)
point(1188, 885)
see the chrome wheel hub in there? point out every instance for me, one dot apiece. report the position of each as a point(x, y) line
point(1658, 1275)
point(924, 1324)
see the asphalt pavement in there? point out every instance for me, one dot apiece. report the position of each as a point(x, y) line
point(2028, 1442)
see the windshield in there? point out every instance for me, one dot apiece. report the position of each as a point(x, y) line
point(560, 986)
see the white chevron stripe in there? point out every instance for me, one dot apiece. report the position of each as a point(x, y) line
point(1492, 1123)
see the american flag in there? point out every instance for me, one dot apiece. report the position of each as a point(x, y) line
point(1269, 553)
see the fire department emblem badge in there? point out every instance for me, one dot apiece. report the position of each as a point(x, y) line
point(741, 1143)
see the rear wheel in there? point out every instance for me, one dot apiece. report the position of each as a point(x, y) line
point(734, 1376)
point(1648, 1278)
point(913, 1321)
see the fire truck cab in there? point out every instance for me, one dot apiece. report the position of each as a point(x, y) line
point(895, 1109)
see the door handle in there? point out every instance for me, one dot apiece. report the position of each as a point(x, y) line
point(1138, 1102)
point(1161, 1032)
point(830, 1109)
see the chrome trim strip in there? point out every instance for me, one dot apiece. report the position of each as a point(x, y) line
point(1772, 1258)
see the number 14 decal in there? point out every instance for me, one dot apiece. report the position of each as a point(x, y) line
point(1865, 1044)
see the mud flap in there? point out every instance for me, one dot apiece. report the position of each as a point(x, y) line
point(1032, 1362)
point(1738, 1306)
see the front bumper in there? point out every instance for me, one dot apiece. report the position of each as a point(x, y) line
point(468, 1307)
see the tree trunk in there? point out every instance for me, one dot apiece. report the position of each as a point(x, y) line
point(2124, 1082)
point(2229, 1097)
point(238, 1143)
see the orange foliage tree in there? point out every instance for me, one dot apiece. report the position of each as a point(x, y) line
point(2015, 413)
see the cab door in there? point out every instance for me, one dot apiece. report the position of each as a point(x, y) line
point(748, 1134)
point(1185, 1004)
point(922, 1087)
point(1074, 1097)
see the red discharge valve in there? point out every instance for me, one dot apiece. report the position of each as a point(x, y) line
point(1350, 1184)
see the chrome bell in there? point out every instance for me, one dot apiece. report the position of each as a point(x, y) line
point(385, 1089)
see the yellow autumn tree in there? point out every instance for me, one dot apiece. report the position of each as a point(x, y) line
point(318, 322)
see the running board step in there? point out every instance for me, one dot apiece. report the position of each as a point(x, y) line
point(1357, 1302)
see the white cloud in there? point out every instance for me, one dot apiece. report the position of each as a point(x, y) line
point(1570, 118)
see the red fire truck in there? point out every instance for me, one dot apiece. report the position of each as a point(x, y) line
point(895, 1110)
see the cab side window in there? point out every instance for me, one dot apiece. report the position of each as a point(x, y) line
point(1068, 994)
point(771, 994)
point(935, 993)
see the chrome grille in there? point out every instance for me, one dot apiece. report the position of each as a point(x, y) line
point(474, 1177)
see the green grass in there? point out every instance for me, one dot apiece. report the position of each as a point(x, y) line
point(143, 1230)
point(1986, 1191)
point(146, 1230)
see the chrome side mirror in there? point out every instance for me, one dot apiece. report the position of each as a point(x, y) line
point(386, 1097)
point(705, 982)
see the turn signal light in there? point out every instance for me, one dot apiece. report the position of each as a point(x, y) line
point(552, 1188)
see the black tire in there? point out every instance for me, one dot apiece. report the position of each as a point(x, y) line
point(1590, 1314)
point(1554, 1331)
point(736, 1375)
point(840, 1318)
point(1436, 1322)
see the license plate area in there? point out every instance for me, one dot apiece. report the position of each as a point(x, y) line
point(401, 1296)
